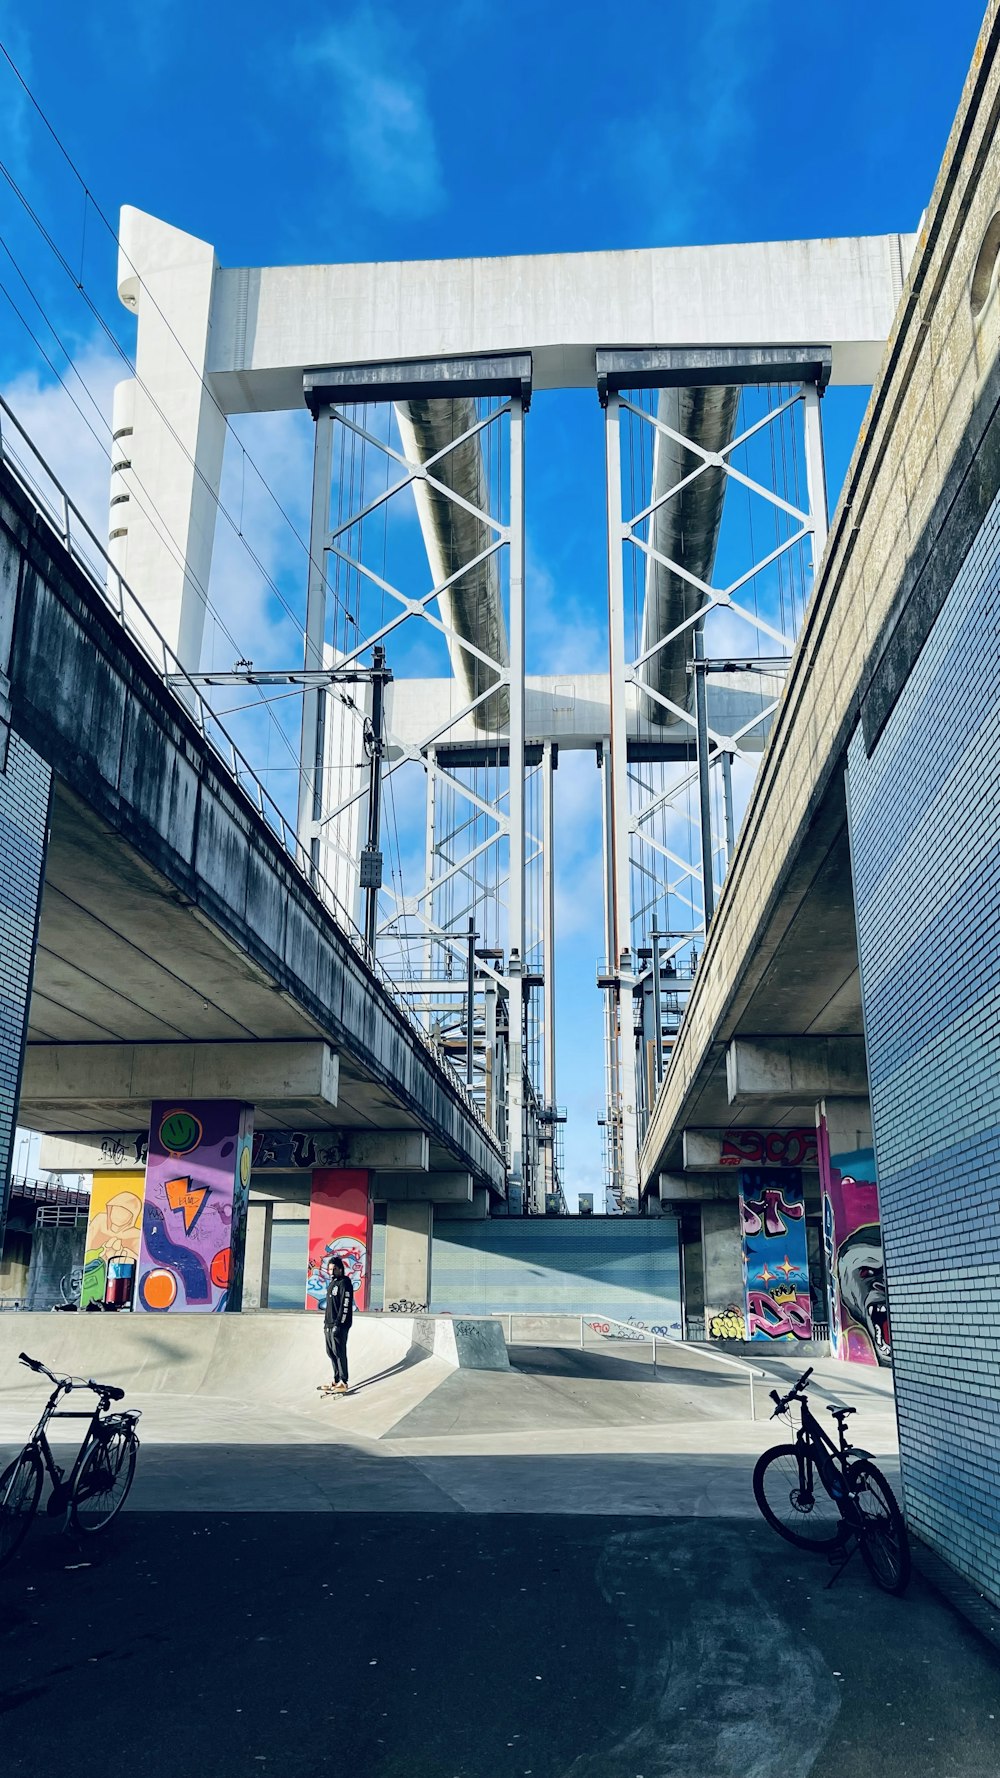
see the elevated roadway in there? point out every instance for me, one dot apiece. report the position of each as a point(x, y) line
point(775, 1014)
point(180, 946)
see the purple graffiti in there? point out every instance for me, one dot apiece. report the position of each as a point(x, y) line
point(776, 1320)
point(764, 1214)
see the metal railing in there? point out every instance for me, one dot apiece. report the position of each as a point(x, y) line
point(48, 1191)
point(73, 531)
point(628, 1332)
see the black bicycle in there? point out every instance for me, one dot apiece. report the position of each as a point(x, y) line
point(832, 1497)
point(96, 1486)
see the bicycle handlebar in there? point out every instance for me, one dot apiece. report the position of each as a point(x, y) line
point(108, 1390)
point(782, 1401)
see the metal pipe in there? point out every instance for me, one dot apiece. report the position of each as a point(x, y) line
point(704, 785)
point(685, 529)
point(472, 605)
point(470, 1005)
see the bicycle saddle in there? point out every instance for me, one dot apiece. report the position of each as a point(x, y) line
point(840, 1413)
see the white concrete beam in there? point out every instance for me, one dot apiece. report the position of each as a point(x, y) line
point(89, 1072)
point(796, 1068)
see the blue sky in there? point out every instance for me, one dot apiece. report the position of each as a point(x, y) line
point(358, 132)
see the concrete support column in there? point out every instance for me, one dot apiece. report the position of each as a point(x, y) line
point(257, 1253)
point(408, 1232)
point(722, 1256)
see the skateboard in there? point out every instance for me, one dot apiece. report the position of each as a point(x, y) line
point(329, 1389)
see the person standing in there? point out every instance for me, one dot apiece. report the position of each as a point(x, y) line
point(337, 1318)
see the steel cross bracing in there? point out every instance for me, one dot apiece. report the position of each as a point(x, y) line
point(664, 853)
point(474, 848)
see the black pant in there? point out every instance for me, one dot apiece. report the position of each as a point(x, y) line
point(336, 1345)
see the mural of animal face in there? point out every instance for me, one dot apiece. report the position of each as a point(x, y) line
point(861, 1277)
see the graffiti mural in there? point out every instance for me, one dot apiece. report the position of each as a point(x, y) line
point(852, 1240)
point(194, 1219)
point(114, 1233)
point(775, 1256)
point(340, 1224)
point(768, 1148)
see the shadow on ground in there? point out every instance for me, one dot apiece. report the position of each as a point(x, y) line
point(475, 1646)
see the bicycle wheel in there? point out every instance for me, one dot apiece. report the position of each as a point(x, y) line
point(20, 1486)
point(103, 1480)
point(880, 1527)
point(810, 1521)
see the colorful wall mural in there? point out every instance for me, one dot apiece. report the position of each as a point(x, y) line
point(194, 1219)
point(768, 1148)
point(340, 1223)
point(111, 1252)
point(852, 1239)
point(775, 1255)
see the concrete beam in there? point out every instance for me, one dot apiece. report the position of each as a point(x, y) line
point(68, 1073)
point(705, 1151)
point(276, 1151)
point(698, 1188)
point(435, 1188)
point(477, 1211)
point(795, 1068)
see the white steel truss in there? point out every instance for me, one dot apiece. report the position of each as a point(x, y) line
point(663, 861)
point(480, 855)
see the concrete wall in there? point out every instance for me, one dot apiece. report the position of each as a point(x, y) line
point(925, 820)
point(55, 1271)
point(625, 1268)
point(24, 804)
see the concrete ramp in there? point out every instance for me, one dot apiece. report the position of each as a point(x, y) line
point(246, 1367)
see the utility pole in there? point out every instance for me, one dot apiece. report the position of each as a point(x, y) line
point(371, 857)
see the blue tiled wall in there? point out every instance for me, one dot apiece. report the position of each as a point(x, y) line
point(925, 842)
point(621, 1267)
point(24, 807)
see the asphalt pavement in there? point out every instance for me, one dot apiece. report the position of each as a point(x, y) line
point(476, 1645)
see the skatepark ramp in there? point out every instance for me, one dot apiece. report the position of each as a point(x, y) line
point(267, 1359)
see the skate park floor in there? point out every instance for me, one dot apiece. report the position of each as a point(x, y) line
point(555, 1571)
point(564, 1430)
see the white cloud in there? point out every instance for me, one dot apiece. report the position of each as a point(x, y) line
point(74, 441)
point(377, 118)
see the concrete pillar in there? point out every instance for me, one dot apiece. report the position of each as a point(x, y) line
point(257, 1254)
point(408, 1231)
point(848, 1123)
point(722, 1257)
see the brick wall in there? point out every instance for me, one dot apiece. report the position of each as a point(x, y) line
point(24, 805)
point(925, 836)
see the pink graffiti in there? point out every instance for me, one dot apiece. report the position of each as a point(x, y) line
point(766, 1212)
point(777, 1320)
point(769, 1148)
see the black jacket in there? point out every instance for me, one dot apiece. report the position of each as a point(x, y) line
point(339, 1311)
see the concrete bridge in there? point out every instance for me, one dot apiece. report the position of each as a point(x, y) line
point(179, 950)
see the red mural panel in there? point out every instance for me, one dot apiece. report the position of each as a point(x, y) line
point(340, 1223)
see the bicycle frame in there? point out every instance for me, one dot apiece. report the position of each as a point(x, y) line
point(62, 1483)
point(813, 1442)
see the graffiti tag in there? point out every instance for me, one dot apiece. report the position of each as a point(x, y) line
point(764, 1215)
point(777, 1320)
point(769, 1148)
point(728, 1324)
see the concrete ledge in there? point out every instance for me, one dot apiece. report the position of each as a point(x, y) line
point(473, 1345)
